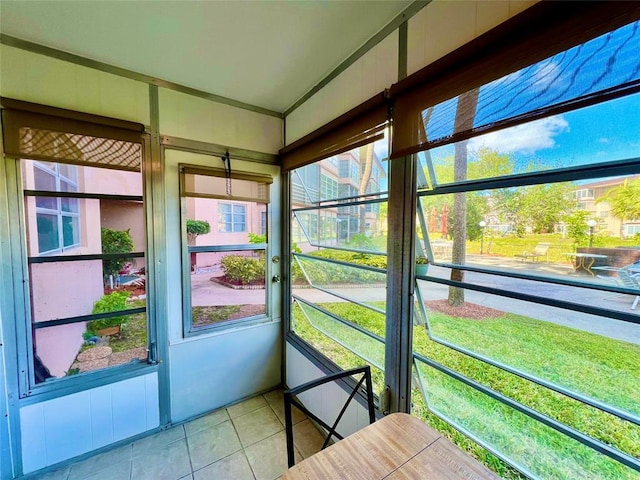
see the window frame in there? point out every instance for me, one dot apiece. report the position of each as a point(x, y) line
point(59, 212)
point(222, 223)
point(188, 330)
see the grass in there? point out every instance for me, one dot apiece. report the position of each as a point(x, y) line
point(603, 368)
point(201, 316)
point(509, 246)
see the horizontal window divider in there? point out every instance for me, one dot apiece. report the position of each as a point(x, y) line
point(251, 321)
point(224, 196)
point(365, 196)
point(349, 299)
point(86, 381)
point(92, 256)
point(556, 388)
point(347, 249)
point(602, 312)
point(88, 318)
point(342, 204)
point(614, 168)
point(536, 278)
point(97, 196)
point(345, 264)
point(226, 248)
point(341, 320)
point(580, 437)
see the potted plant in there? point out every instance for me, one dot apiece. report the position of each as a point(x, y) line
point(194, 229)
point(422, 265)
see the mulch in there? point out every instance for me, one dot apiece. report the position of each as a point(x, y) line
point(469, 310)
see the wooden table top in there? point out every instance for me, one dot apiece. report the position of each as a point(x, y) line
point(398, 446)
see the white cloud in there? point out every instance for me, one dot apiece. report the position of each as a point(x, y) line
point(527, 138)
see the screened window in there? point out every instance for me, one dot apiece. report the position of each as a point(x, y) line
point(232, 217)
point(225, 266)
point(339, 264)
point(530, 284)
point(85, 238)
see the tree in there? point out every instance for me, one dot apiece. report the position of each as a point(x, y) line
point(366, 158)
point(624, 201)
point(115, 241)
point(196, 228)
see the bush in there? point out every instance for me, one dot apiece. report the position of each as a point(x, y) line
point(115, 241)
point(243, 269)
point(112, 302)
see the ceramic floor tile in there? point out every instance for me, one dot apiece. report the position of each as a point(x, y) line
point(94, 464)
point(117, 471)
point(246, 406)
point(208, 421)
point(210, 445)
point(307, 438)
point(170, 462)
point(257, 425)
point(268, 458)
point(189, 477)
point(234, 467)
point(275, 399)
point(158, 440)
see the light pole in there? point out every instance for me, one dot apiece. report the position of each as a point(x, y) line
point(482, 224)
point(591, 224)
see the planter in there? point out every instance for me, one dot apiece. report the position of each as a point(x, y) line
point(422, 268)
point(105, 332)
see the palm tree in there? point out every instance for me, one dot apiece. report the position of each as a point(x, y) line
point(624, 201)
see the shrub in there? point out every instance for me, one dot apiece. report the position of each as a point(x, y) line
point(112, 302)
point(243, 269)
point(115, 241)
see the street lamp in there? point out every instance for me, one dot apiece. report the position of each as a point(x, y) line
point(591, 224)
point(482, 224)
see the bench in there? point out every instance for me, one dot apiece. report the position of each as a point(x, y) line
point(540, 251)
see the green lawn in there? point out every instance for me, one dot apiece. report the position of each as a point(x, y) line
point(603, 368)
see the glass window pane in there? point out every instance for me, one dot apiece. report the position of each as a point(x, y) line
point(49, 203)
point(70, 205)
point(70, 231)
point(44, 180)
point(513, 333)
point(75, 348)
point(48, 233)
point(227, 286)
point(535, 448)
point(559, 141)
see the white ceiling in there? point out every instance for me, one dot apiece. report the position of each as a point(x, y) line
point(266, 53)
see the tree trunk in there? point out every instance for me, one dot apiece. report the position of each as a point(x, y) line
point(366, 155)
point(465, 114)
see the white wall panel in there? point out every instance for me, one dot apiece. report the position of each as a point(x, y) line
point(211, 371)
point(65, 427)
point(369, 75)
point(442, 26)
point(195, 118)
point(40, 79)
point(327, 400)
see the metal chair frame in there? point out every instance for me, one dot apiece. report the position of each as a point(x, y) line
point(289, 399)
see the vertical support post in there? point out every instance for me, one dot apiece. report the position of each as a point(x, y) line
point(285, 269)
point(157, 251)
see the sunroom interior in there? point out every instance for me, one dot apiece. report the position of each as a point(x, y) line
point(206, 203)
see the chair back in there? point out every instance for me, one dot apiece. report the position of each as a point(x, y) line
point(290, 399)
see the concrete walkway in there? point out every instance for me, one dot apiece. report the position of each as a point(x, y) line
point(206, 292)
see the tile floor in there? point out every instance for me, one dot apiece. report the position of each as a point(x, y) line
point(243, 441)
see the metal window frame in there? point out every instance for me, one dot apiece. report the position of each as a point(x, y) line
point(28, 391)
point(187, 325)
